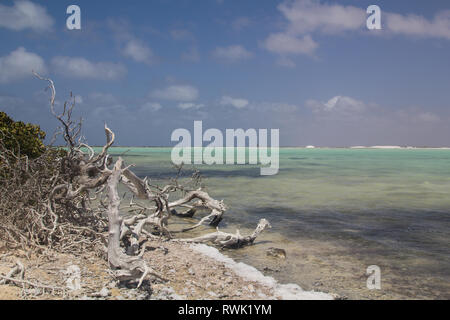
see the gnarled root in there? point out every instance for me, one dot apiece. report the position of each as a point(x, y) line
point(204, 201)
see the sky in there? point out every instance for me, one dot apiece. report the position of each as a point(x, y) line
point(309, 68)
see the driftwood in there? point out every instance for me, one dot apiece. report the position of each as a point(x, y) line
point(205, 201)
point(229, 240)
point(18, 270)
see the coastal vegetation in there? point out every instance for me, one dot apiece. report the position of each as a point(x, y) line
point(21, 138)
point(66, 200)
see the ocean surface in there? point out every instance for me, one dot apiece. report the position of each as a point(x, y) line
point(335, 212)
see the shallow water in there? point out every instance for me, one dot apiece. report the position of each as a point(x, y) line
point(335, 212)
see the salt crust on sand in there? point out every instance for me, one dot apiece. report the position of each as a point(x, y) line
point(288, 291)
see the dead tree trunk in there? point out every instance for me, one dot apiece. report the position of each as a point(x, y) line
point(125, 267)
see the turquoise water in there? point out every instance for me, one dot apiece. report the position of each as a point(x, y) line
point(337, 211)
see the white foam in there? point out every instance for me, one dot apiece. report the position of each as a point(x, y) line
point(288, 291)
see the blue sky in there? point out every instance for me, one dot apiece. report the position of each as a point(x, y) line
point(309, 68)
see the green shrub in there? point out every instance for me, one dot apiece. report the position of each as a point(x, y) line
point(21, 138)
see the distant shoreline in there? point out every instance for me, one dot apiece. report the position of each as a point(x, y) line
point(308, 147)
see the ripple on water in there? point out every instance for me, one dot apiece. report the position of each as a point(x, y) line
point(335, 212)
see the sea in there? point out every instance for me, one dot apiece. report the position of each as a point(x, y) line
point(336, 212)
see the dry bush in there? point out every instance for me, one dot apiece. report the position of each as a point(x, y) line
point(34, 211)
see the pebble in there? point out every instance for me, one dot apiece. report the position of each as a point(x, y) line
point(276, 252)
point(104, 292)
point(261, 295)
point(212, 294)
point(73, 281)
point(166, 293)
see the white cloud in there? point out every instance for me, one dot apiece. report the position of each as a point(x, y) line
point(19, 64)
point(232, 53)
point(417, 115)
point(192, 55)
point(23, 15)
point(131, 46)
point(184, 93)
point(337, 104)
point(150, 107)
point(306, 16)
point(237, 103)
point(138, 51)
point(427, 117)
point(414, 25)
point(103, 98)
point(190, 105)
point(283, 43)
point(111, 111)
point(285, 62)
point(79, 99)
point(240, 23)
point(274, 106)
point(181, 34)
point(77, 67)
